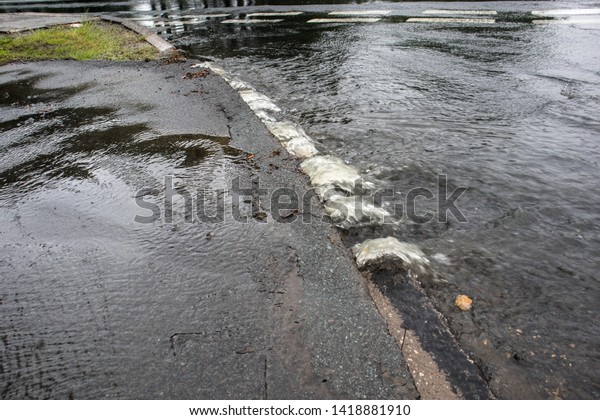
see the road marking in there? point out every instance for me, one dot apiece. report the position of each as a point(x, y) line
point(273, 14)
point(451, 20)
point(566, 21)
point(570, 12)
point(361, 13)
point(345, 20)
point(291, 136)
point(459, 12)
point(246, 21)
point(158, 17)
point(219, 15)
point(145, 18)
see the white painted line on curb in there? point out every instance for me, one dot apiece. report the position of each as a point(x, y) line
point(250, 21)
point(361, 13)
point(273, 14)
point(566, 12)
point(459, 12)
point(347, 20)
point(450, 20)
point(325, 172)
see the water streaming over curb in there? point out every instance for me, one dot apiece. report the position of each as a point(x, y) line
point(340, 187)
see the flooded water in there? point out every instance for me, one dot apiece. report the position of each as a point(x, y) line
point(509, 110)
point(93, 304)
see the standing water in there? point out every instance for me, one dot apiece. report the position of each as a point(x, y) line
point(507, 108)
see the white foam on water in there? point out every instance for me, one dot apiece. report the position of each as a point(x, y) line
point(328, 172)
point(377, 251)
point(459, 12)
point(441, 258)
point(251, 21)
point(265, 116)
point(345, 20)
point(291, 136)
point(360, 13)
point(237, 84)
point(274, 14)
point(563, 12)
point(257, 101)
point(286, 130)
point(353, 210)
point(451, 20)
point(301, 147)
point(296, 141)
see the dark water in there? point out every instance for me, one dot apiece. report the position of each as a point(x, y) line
point(510, 111)
point(135, 6)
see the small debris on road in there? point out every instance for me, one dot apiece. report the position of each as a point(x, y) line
point(463, 302)
point(189, 75)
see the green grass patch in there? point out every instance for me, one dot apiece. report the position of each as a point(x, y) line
point(93, 40)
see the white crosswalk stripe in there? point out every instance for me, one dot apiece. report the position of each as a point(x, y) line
point(566, 12)
point(451, 20)
point(345, 20)
point(251, 21)
point(360, 13)
point(273, 14)
point(584, 21)
point(459, 12)
point(217, 15)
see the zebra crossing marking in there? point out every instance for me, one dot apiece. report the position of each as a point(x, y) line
point(250, 21)
point(360, 13)
point(451, 20)
point(459, 12)
point(345, 20)
point(273, 14)
point(567, 12)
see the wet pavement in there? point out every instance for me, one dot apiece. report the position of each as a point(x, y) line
point(507, 110)
point(96, 305)
point(501, 103)
point(18, 22)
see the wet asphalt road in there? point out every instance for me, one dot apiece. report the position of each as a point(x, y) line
point(93, 161)
point(95, 305)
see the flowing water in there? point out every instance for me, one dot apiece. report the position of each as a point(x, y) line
point(509, 110)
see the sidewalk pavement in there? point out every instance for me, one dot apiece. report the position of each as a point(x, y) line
point(19, 22)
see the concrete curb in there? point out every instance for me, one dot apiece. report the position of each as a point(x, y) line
point(21, 22)
point(151, 37)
